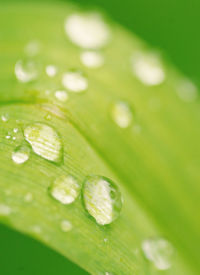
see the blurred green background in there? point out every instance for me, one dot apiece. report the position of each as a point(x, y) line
point(170, 26)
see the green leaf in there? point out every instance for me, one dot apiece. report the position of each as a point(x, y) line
point(154, 161)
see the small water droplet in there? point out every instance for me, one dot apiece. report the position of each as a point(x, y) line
point(20, 154)
point(105, 240)
point(32, 48)
point(28, 197)
point(65, 189)
point(75, 81)
point(5, 210)
point(26, 71)
point(5, 117)
point(159, 251)
point(65, 226)
point(147, 67)
point(102, 199)
point(187, 91)
point(51, 70)
point(8, 137)
point(92, 59)
point(45, 141)
point(87, 30)
point(61, 95)
point(15, 130)
point(48, 117)
point(122, 114)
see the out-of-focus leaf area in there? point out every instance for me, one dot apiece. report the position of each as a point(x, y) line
point(99, 137)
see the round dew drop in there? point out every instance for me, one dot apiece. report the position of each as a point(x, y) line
point(75, 81)
point(92, 59)
point(61, 95)
point(147, 68)
point(65, 189)
point(20, 154)
point(5, 210)
point(87, 30)
point(159, 251)
point(66, 225)
point(122, 114)
point(51, 70)
point(102, 199)
point(45, 141)
point(26, 71)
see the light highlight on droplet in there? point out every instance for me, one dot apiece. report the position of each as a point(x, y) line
point(45, 141)
point(122, 114)
point(147, 68)
point(92, 59)
point(51, 70)
point(75, 81)
point(20, 154)
point(159, 251)
point(88, 30)
point(187, 90)
point(102, 199)
point(26, 71)
point(61, 95)
point(66, 226)
point(65, 189)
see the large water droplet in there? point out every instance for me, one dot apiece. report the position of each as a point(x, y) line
point(147, 67)
point(75, 81)
point(187, 91)
point(102, 199)
point(122, 114)
point(66, 225)
point(87, 30)
point(5, 210)
point(159, 251)
point(26, 71)
point(45, 141)
point(20, 154)
point(92, 59)
point(65, 189)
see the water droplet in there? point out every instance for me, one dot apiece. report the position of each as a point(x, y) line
point(187, 91)
point(28, 197)
point(87, 30)
point(92, 59)
point(15, 130)
point(32, 48)
point(8, 137)
point(20, 154)
point(48, 117)
point(61, 95)
point(5, 117)
point(45, 141)
point(26, 71)
point(65, 226)
point(105, 240)
point(102, 199)
point(65, 189)
point(51, 70)
point(159, 251)
point(75, 81)
point(5, 210)
point(14, 138)
point(147, 67)
point(122, 114)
